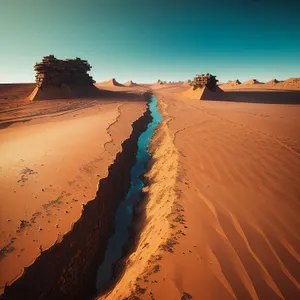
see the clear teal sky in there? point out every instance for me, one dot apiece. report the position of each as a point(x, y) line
point(146, 40)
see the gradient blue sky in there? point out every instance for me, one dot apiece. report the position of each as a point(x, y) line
point(147, 40)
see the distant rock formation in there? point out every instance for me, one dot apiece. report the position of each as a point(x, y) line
point(204, 80)
point(130, 83)
point(159, 81)
point(58, 78)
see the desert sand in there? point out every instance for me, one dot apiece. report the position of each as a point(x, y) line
point(52, 155)
point(221, 214)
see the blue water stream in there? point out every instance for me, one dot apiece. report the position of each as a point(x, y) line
point(124, 214)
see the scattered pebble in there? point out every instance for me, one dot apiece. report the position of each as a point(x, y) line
point(9, 220)
point(56, 225)
point(43, 190)
point(67, 212)
point(40, 229)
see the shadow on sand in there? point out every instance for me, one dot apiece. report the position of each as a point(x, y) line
point(268, 97)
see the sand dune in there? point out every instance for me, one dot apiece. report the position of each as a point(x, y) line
point(291, 83)
point(203, 93)
point(251, 81)
point(112, 82)
point(233, 223)
point(231, 83)
point(273, 81)
point(130, 83)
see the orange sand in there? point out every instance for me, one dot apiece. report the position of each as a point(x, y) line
point(52, 156)
point(221, 215)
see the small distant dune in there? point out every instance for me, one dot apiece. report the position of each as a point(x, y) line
point(130, 83)
point(231, 83)
point(251, 81)
point(235, 82)
point(273, 81)
point(111, 82)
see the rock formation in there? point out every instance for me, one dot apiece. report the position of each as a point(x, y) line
point(205, 80)
point(53, 72)
point(58, 78)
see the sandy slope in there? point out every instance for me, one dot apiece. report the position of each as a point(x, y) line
point(51, 165)
point(233, 227)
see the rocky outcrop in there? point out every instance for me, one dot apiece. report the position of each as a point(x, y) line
point(53, 72)
point(205, 80)
point(68, 269)
point(59, 79)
